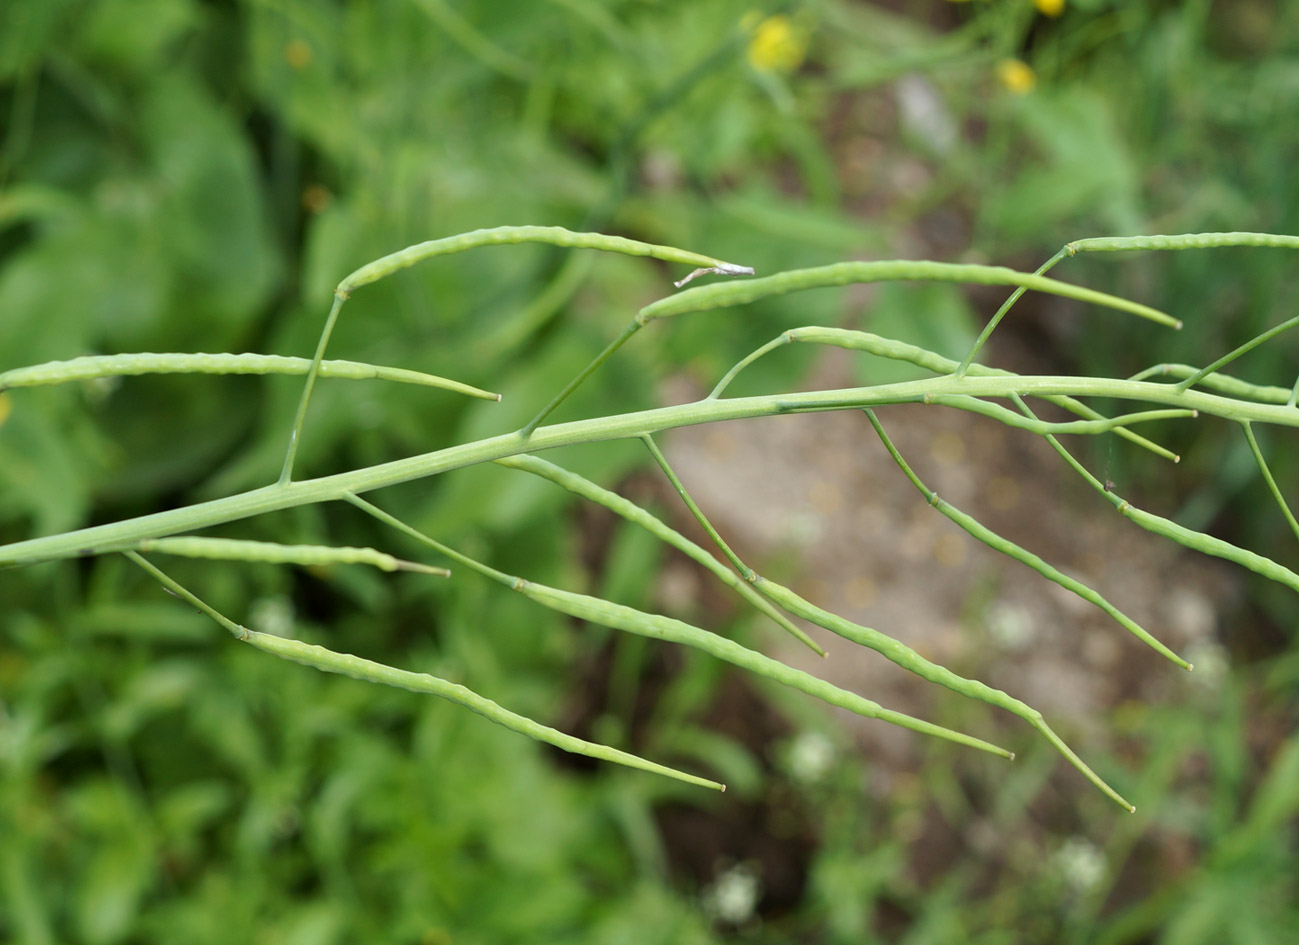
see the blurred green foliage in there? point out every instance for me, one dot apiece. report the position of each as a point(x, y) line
point(185, 175)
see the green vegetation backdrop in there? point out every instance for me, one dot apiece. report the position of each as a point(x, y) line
point(178, 175)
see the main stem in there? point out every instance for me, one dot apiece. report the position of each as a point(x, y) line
point(282, 495)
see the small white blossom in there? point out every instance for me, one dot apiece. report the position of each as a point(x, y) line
point(273, 615)
point(811, 755)
point(733, 896)
point(1080, 864)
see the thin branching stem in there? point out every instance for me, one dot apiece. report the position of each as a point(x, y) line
point(1237, 352)
point(1268, 478)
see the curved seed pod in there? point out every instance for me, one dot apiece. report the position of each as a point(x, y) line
point(990, 538)
point(737, 293)
point(232, 549)
point(329, 661)
point(1125, 244)
point(1223, 383)
point(1043, 427)
point(318, 657)
point(117, 365)
point(632, 512)
point(1128, 244)
point(910, 660)
point(620, 617)
point(923, 358)
point(1187, 537)
point(554, 235)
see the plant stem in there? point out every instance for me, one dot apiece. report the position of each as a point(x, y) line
point(128, 533)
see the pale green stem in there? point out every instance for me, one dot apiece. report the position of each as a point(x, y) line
point(91, 367)
point(1237, 352)
point(990, 538)
point(989, 328)
point(125, 534)
point(345, 664)
point(632, 512)
point(700, 517)
point(576, 382)
point(1267, 476)
point(295, 434)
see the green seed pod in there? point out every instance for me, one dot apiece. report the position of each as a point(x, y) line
point(231, 549)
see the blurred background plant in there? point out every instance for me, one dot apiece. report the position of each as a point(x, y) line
point(194, 176)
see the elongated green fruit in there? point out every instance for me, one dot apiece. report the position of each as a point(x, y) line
point(750, 290)
point(910, 660)
point(881, 643)
point(117, 365)
point(369, 671)
point(629, 619)
point(990, 538)
point(496, 236)
point(634, 513)
point(232, 549)
point(1127, 244)
point(504, 235)
point(329, 661)
point(1223, 383)
point(1210, 545)
point(1187, 537)
point(923, 358)
point(1042, 427)
point(620, 617)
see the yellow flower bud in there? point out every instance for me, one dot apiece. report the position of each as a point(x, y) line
point(1016, 75)
point(777, 44)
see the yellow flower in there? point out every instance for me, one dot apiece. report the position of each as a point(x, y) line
point(776, 44)
point(6, 405)
point(1016, 75)
point(1050, 7)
